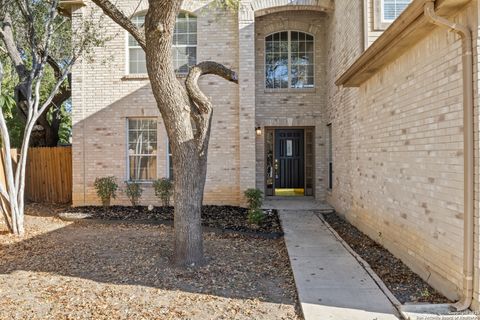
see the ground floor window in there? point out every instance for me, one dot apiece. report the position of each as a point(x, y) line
point(142, 149)
point(330, 156)
point(170, 162)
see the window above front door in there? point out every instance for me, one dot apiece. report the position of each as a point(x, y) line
point(289, 60)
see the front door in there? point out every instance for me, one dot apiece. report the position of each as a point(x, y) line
point(289, 162)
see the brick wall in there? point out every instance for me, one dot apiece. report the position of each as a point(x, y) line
point(292, 107)
point(398, 151)
point(104, 97)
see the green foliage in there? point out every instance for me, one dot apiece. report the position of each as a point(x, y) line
point(163, 190)
point(255, 216)
point(8, 106)
point(134, 191)
point(232, 5)
point(66, 44)
point(13, 118)
point(106, 188)
point(255, 200)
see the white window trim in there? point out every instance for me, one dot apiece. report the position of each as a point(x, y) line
point(127, 171)
point(382, 13)
point(167, 168)
point(379, 22)
point(289, 88)
point(142, 75)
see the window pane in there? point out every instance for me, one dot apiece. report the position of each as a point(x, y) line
point(184, 40)
point(143, 168)
point(276, 60)
point(393, 8)
point(142, 149)
point(301, 60)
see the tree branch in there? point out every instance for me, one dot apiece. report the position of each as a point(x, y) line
point(203, 68)
point(121, 19)
point(201, 104)
point(6, 34)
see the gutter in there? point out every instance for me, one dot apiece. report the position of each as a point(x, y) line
point(409, 28)
point(468, 146)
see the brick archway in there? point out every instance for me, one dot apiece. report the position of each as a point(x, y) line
point(263, 7)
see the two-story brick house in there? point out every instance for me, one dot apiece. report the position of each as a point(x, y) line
point(328, 105)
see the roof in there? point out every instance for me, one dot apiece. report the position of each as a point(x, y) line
point(410, 27)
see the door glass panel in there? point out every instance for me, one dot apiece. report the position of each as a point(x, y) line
point(289, 148)
point(269, 158)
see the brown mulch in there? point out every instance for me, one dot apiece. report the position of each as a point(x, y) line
point(84, 270)
point(402, 282)
point(221, 217)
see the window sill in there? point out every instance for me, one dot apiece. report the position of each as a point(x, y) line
point(291, 90)
point(144, 182)
point(144, 76)
point(140, 76)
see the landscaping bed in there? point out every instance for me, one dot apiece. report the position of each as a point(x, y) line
point(228, 218)
point(400, 280)
point(86, 270)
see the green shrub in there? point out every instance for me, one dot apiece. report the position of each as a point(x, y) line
point(106, 189)
point(255, 216)
point(255, 201)
point(254, 198)
point(134, 191)
point(163, 190)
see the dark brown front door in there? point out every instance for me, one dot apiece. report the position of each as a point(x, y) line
point(289, 159)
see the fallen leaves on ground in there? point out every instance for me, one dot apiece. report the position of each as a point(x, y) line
point(406, 285)
point(83, 270)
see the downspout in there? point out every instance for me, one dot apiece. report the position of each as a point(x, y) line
point(364, 17)
point(468, 145)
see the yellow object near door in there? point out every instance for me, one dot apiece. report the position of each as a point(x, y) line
point(297, 192)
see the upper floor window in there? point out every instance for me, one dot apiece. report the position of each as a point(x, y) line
point(289, 60)
point(184, 49)
point(391, 9)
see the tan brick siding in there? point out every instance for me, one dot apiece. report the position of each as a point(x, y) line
point(397, 140)
point(292, 107)
point(104, 98)
point(398, 144)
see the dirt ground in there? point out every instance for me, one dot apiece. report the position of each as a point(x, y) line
point(86, 270)
point(402, 282)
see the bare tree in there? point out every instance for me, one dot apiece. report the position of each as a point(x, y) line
point(183, 109)
point(30, 58)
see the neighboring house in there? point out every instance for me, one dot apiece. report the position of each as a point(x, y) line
point(328, 105)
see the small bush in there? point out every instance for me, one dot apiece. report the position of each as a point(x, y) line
point(255, 201)
point(106, 189)
point(254, 198)
point(163, 190)
point(134, 191)
point(255, 216)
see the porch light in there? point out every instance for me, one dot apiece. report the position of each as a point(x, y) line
point(258, 131)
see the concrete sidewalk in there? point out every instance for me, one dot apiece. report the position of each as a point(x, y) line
point(331, 283)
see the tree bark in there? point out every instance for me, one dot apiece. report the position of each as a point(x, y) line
point(179, 106)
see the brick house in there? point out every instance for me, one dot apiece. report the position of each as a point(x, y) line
point(357, 103)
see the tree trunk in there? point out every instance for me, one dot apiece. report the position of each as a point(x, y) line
point(179, 106)
point(174, 106)
point(188, 207)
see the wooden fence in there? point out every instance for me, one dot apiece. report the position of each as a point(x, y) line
point(48, 176)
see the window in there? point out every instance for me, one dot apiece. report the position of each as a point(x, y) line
point(391, 9)
point(184, 49)
point(386, 11)
point(330, 156)
point(185, 43)
point(170, 162)
point(142, 149)
point(289, 60)
point(137, 62)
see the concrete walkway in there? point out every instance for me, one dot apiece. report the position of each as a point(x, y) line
point(331, 284)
